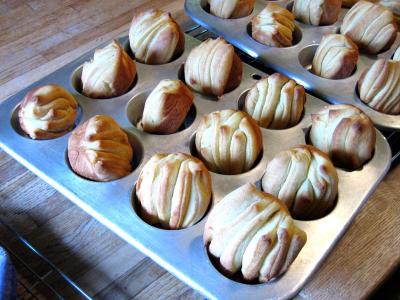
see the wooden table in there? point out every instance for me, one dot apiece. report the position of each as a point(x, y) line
point(39, 36)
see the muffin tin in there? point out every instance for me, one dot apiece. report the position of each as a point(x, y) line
point(295, 61)
point(182, 251)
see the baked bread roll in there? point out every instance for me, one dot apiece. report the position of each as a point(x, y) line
point(348, 3)
point(231, 9)
point(174, 190)
point(345, 133)
point(396, 55)
point(166, 107)
point(47, 112)
point(155, 38)
point(371, 26)
point(275, 102)
point(228, 141)
point(379, 86)
point(252, 232)
point(305, 179)
point(109, 74)
point(213, 68)
point(100, 150)
point(273, 26)
point(336, 57)
point(317, 12)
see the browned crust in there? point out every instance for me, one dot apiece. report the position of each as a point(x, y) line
point(175, 107)
point(164, 38)
point(268, 197)
point(242, 9)
point(102, 170)
point(353, 139)
point(313, 149)
point(290, 94)
point(161, 199)
point(271, 253)
point(378, 86)
point(274, 37)
point(303, 205)
point(331, 12)
point(346, 62)
point(126, 72)
point(212, 52)
point(317, 12)
point(218, 156)
point(235, 76)
point(123, 77)
point(180, 47)
point(349, 3)
point(357, 22)
point(39, 101)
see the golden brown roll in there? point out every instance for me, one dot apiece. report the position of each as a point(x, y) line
point(273, 26)
point(166, 107)
point(100, 150)
point(109, 74)
point(174, 190)
point(345, 133)
point(336, 57)
point(371, 26)
point(379, 86)
point(317, 12)
point(305, 179)
point(213, 67)
point(231, 9)
point(47, 112)
point(275, 102)
point(252, 232)
point(396, 55)
point(349, 3)
point(155, 38)
point(228, 141)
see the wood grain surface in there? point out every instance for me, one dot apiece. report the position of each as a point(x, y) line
point(39, 36)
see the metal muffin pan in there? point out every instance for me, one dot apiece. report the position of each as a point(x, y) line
point(182, 251)
point(295, 61)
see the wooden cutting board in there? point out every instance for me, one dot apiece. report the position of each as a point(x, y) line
point(39, 36)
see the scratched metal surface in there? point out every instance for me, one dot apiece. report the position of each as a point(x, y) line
point(181, 251)
point(295, 61)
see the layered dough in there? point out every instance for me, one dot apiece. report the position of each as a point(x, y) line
point(109, 74)
point(174, 190)
point(273, 26)
point(379, 86)
point(155, 38)
point(336, 57)
point(213, 67)
point(166, 107)
point(371, 26)
point(228, 141)
point(393, 5)
point(47, 112)
point(252, 232)
point(345, 133)
point(317, 12)
point(305, 179)
point(231, 9)
point(100, 150)
point(275, 102)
